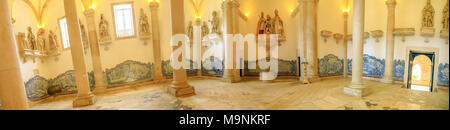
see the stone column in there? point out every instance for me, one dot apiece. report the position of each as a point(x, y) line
point(310, 32)
point(12, 89)
point(100, 85)
point(179, 86)
point(389, 66)
point(356, 88)
point(345, 44)
point(156, 40)
point(229, 16)
point(84, 96)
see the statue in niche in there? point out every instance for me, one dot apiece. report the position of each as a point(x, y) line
point(41, 40)
point(445, 17)
point(52, 41)
point(278, 26)
point(31, 39)
point(104, 30)
point(84, 37)
point(190, 30)
point(428, 15)
point(215, 23)
point(144, 26)
point(260, 25)
point(205, 29)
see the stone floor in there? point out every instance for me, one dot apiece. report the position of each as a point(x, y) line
point(251, 94)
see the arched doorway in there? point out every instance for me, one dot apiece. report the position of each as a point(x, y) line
point(421, 71)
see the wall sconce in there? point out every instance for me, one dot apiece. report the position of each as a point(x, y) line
point(403, 32)
point(377, 34)
point(338, 37)
point(325, 34)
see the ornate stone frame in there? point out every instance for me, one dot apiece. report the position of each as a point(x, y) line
point(114, 20)
point(422, 50)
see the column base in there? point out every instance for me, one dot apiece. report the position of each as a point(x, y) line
point(387, 80)
point(99, 89)
point(185, 90)
point(314, 79)
point(84, 101)
point(355, 91)
point(267, 77)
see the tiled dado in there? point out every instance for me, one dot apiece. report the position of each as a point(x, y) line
point(285, 68)
point(126, 72)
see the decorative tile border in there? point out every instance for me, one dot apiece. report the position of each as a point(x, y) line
point(129, 72)
point(285, 68)
point(443, 74)
point(372, 66)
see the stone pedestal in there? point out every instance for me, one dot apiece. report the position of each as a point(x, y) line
point(84, 101)
point(355, 91)
point(181, 90)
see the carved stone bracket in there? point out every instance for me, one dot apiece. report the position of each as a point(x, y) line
point(427, 32)
point(444, 35)
point(326, 34)
point(403, 32)
point(338, 37)
point(376, 34)
point(366, 36)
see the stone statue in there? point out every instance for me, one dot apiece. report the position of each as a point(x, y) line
point(428, 15)
point(144, 26)
point(84, 37)
point(52, 41)
point(205, 29)
point(260, 25)
point(190, 30)
point(445, 17)
point(279, 26)
point(31, 39)
point(41, 40)
point(215, 23)
point(104, 29)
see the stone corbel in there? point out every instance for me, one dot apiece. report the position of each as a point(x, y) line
point(376, 34)
point(325, 34)
point(444, 35)
point(366, 36)
point(338, 37)
point(427, 32)
point(403, 32)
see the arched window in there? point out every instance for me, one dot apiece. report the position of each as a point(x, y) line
point(417, 72)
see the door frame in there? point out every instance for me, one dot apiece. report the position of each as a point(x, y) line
point(408, 62)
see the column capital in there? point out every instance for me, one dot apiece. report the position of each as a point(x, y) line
point(154, 5)
point(230, 3)
point(89, 12)
point(391, 3)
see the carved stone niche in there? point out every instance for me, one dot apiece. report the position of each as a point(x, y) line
point(444, 35)
point(376, 34)
point(326, 34)
point(338, 37)
point(403, 32)
point(427, 33)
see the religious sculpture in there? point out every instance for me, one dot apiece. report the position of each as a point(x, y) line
point(104, 30)
point(84, 37)
point(445, 17)
point(190, 30)
point(205, 29)
point(278, 25)
point(428, 15)
point(52, 42)
point(215, 24)
point(41, 40)
point(260, 25)
point(31, 44)
point(144, 26)
point(269, 25)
